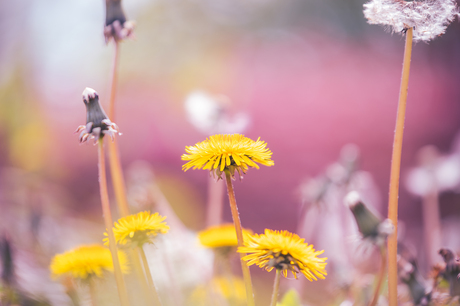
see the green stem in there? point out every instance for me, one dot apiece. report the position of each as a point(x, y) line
point(239, 236)
point(276, 287)
point(395, 173)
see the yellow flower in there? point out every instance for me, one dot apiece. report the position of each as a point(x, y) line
point(138, 229)
point(284, 251)
point(223, 235)
point(227, 152)
point(85, 262)
point(219, 291)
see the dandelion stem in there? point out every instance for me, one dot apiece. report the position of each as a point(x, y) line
point(114, 156)
point(92, 292)
point(108, 224)
point(381, 275)
point(276, 287)
point(431, 225)
point(145, 263)
point(215, 202)
point(395, 173)
point(239, 236)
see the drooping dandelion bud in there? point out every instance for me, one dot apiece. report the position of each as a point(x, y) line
point(428, 18)
point(97, 122)
point(369, 224)
point(116, 26)
point(410, 275)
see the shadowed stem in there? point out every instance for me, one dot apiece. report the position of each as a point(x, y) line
point(395, 172)
point(276, 287)
point(381, 275)
point(153, 290)
point(108, 224)
point(239, 236)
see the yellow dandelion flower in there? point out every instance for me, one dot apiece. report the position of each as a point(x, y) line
point(220, 290)
point(284, 251)
point(85, 262)
point(138, 229)
point(219, 236)
point(227, 152)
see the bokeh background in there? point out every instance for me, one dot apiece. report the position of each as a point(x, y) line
point(311, 76)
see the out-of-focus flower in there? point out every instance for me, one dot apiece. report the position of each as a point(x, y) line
point(97, 122)
point(221, 153)
point(451, 271)
point(290, 298)
point(86, 262)
point(428, 18)
point(284, 251)
point(371, 227)
point(116, 26)
point(221, 289)
point(138, 229)
point(410, 275)
point(209, 114)
point(219, 236)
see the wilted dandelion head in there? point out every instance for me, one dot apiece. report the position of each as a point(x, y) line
point(221, 153)
point(97, 122)
point(428, 18)
point(221, 236)
point(371, 226)
point(86, 262)
point(284, 251)
point(138, 229)
point(116, 26)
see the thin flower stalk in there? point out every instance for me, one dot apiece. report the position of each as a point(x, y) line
point(239, 235)
point(381, 276)
point(145, 263)
point(92, 293)
point(395, 174)
point(276, 287)
point(108, 224)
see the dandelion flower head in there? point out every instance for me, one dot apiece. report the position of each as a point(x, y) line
point(284, 251)
point(85, 262)
point(220, 236)
point(220, 153)
point(138, 229)
point(428, 18)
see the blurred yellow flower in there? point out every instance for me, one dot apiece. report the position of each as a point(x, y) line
point(227, 152)
point(85, 262)
point(284, 251)
point(138, 229)
point(220, 291)
point(223, 235)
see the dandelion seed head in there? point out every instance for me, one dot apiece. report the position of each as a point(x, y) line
point(428, 18)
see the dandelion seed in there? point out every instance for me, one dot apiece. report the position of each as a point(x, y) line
point(86, 262)
point(138, 229)
point(284, 251)
point(220, 153)
point(428, 18)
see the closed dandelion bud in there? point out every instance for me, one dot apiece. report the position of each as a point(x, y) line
point(409, 274)
point(369, 224)
point(97, 122)
point(116, 26)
